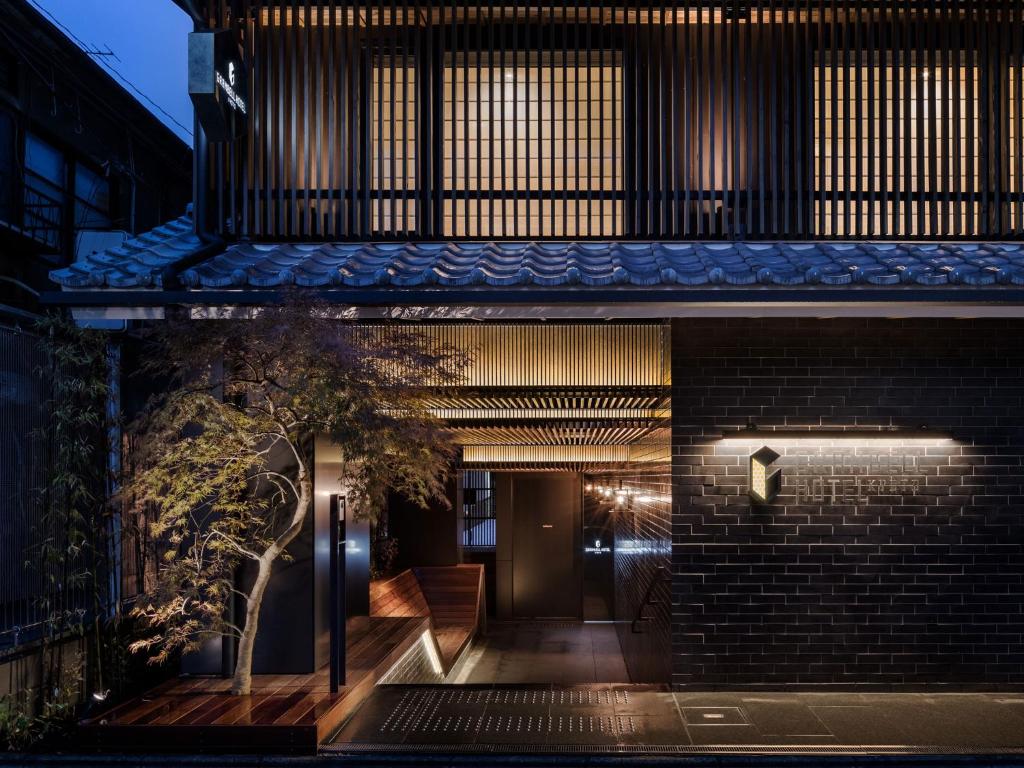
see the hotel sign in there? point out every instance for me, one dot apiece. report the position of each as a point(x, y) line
point(833, 476)
point(845, 478)
point(218, 85)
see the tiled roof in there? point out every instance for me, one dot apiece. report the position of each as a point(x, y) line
point(141, 262)
point(545, 264)
point(136, 263)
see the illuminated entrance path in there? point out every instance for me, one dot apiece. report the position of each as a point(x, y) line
point(544, 652)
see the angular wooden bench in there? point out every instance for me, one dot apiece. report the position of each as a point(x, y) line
point(451, 596)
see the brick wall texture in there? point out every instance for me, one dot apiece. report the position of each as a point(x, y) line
point(883, 563)
point(643, 548)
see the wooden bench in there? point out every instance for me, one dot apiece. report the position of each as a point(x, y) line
point(400, 596)
point(452, 596)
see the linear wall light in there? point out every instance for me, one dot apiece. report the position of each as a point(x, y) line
point(876, 437)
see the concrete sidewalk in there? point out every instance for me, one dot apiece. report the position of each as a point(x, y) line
point(626, 719)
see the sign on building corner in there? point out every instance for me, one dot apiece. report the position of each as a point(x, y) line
point(217, 84)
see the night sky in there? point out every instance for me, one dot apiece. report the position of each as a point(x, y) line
point(150, 39)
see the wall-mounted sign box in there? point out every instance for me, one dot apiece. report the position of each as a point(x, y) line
point(765, 482)
point(218, 84)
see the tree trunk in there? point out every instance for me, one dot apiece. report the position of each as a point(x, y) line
point(241, 683)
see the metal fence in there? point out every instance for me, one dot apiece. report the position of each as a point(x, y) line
point(34, 592)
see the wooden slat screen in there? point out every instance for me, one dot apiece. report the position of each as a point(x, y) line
point(677, 119)
point(518, 356)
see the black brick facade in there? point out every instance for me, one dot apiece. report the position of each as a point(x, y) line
point(882, 563)
point(643, 546)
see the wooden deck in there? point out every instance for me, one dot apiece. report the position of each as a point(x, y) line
point(284, 713)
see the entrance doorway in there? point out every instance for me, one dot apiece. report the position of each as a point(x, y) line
point(541, 634)
point(547, 574)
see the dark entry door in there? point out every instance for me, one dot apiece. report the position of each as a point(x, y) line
point(546, 557)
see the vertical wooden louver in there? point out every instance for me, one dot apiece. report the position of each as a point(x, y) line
point(533, 119)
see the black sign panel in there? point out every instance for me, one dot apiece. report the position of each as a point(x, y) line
point(218, 84)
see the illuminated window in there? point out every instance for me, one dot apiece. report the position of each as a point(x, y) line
point(479, 517)
point(530, 149)
point(902, 131)
point(393, 148)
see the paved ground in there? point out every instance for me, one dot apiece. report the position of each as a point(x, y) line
point(556, 687)
point(544, 652)
point(617, 718)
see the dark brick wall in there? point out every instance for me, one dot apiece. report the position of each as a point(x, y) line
point(882, 563)
point(643, 537)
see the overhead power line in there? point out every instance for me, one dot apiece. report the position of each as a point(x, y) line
point(101, 58)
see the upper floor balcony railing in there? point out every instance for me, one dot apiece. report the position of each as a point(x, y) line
point(31, 206)
point(765, 119)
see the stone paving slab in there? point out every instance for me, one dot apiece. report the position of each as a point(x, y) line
point(622, 718)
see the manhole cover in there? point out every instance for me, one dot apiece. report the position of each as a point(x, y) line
point(713, 716)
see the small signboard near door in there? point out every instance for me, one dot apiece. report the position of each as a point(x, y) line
point(546, 549)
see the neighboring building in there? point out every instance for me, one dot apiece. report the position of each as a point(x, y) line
point(83, 167)
point(78, 153)
point(674, 234)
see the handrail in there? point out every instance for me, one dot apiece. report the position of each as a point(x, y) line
point(661, 573)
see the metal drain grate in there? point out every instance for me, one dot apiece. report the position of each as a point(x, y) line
point(612, 725)
point(428, 711)
point(514, 697)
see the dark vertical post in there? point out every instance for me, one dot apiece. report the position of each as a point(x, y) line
point(776, 114)
point(699, 92)
point(875, 176)
point(551, 112)
point(200, 176)
point(337, 592)
point(895, 143)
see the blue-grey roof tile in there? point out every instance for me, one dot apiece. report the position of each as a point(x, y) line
point(141, 262)
point(136, 263)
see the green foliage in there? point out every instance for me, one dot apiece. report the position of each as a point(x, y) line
point(28, 723)
point(71, 535)
point(226, 457)
point(69, 554)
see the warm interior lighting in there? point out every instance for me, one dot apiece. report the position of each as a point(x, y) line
point(875, 124)
point(420, 16)
point(530, 135)
point(393, 139)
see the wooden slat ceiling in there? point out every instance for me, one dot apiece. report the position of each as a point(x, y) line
point(553, 395)
point(581, 434)
point(502, 455)
point(571, 359)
